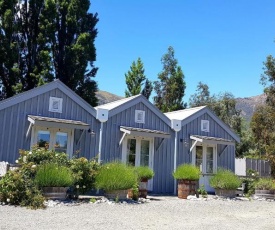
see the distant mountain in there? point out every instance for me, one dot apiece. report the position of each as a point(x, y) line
point(106, 97)
point(248, 105)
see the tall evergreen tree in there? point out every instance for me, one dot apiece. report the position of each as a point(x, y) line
point(135, 79)
point(47, 39)
point(171, 86)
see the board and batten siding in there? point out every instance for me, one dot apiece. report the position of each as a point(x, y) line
point(14, 124)
point(163, 157)
point(225, 159)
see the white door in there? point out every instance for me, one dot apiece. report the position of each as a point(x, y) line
point(205, 157)
point(138, 151)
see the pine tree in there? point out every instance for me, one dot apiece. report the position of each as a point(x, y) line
point(135, 79)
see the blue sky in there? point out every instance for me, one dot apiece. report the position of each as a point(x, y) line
point(222, 43)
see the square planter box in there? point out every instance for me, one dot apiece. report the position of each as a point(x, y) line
point(225, 193)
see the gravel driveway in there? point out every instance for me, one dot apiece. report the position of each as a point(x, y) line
point(162, 212)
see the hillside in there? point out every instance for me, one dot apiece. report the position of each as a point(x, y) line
point(248, 105)
point(106, 97)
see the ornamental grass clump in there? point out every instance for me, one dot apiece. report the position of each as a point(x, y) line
point(144, 172)
point(53, 175)
point(115, 176)
point(225, 179)
point(265, 184)
point(187, 172)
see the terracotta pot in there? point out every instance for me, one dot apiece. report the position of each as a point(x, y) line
point(56, 193)
point(186, 188)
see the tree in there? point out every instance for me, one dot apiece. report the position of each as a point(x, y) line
point(135, 79)
point(47, 40)
point(263, 129)
point(268, 80)
point(201, 97)
point(171, 85)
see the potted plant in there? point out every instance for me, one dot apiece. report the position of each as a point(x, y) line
point(54, 180)
point(144, 173)
point(187, 176)
point(115, 178)
point(264, 188)
point(225, 183)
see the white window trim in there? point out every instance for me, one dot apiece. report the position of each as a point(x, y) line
point(140, 113)
point(203, 123)
point(53, 132)
point(55, 100)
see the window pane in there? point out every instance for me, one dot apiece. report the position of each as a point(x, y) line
point(61, 141)
point(209, 160)
point(144, 154)
point(43, 138)
point(131, 151)
point(198, 160)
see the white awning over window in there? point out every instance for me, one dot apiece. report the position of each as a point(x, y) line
point(211, 140)
point(57, 123)
point(144, 132)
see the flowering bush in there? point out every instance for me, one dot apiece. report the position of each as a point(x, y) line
point(84, 172)
point(41, 155)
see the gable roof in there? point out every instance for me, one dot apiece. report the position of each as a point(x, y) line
point(188, 115)
point(56, 84)
point(125, 103)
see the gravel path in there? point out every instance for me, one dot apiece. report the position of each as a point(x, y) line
point(162, 212)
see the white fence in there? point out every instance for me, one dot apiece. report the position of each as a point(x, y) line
point(244, 164)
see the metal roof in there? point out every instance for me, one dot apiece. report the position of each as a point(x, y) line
point(144, 132)
point(182, 114)
point(214, 140)
point(117, 103)
point(62, 123)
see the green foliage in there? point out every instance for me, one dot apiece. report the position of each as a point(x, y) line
point(18, 189)
point(135, 78)
point(265, 184)
point(53, 175)
point(57, 44)
point(201, 97)
point(144, 172)
point(225, 179)
point(171, 85)
point(263, 129)
point(249, 188)
point(115, 176)
point(84, 173)
point(41, 156)
point(187, 172)
point(201, 190)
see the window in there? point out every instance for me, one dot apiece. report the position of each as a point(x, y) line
point(55, 104)
point(140, 116)
point(53, 138)
point(205, 125)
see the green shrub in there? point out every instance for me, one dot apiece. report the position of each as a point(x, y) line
point(18, 189)
point(225, 179)
point(115, 176)
point(84, 172)
point(53, 175)
point(187, 172)
point(41, 156)
point(265, 184)
point(144, 172)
